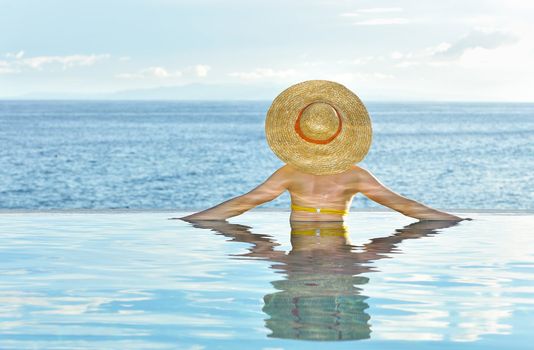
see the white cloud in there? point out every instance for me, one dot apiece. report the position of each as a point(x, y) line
point(438, 49)
point(381, 9)
point(151, 72)
point(16, 55)
point(350, 14)
point(18, 62)
point(486, 39)
point(38, 62)
point(511, 62)
point(445, 53)
point(158, 72)
point(376, 21)
point(382, 21)
point(5, 68)
point(260, 73)
point(406, 64)
point(201, 70)
point(396, 55)
point(162, 73)
point(359, 12)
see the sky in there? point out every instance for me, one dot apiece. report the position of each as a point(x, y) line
point(469, 50)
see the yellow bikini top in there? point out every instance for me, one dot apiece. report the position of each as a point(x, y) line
point(319, 210)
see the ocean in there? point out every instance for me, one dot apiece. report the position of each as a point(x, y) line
point(196, 154)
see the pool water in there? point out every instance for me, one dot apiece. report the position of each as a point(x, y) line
point(136, 280)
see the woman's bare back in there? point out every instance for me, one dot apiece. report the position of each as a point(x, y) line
point(320, 191)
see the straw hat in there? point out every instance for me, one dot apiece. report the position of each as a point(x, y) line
point(318, 126)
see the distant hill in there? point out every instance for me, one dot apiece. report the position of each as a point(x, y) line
point(193, 91)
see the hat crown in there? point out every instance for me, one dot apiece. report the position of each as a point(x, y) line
point(319, 121)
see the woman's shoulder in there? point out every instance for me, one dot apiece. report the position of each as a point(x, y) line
point(287, 169)
point(285, 173)
point(360, 168)
point(359, 175)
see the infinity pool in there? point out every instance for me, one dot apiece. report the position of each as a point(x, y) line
point(136, 280)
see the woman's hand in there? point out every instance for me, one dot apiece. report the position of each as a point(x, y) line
point(442, 216)
point(200, 216)
point(445, 217)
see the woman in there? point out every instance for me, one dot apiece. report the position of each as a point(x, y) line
point(320, 129)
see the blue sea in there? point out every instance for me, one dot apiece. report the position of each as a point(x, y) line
point(183, 155)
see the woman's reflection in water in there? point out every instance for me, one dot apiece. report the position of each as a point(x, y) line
point(320, 297)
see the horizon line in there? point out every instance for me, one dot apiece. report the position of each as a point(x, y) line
point(384, 100)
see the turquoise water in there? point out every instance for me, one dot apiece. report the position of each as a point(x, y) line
point(135, 280)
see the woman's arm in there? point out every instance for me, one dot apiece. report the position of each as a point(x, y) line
point(369, 186)
point(274, 186)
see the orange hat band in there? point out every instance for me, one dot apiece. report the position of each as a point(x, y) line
point(298, 130)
